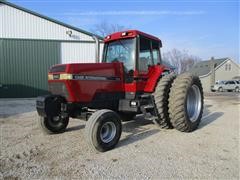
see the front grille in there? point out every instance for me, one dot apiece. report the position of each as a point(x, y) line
point(58, 88)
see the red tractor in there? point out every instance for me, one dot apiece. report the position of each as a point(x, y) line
point(130, 80)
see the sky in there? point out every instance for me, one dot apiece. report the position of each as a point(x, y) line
point(204, 28)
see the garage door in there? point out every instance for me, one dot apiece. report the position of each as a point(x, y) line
point(24, 65)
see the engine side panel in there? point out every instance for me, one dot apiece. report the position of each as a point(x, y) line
point(82, 82)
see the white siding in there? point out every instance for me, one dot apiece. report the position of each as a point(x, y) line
point(20, 24)
point(222, 74)
point(77, 52)
point(206, 83)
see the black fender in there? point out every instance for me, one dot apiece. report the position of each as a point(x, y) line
point(50, 105)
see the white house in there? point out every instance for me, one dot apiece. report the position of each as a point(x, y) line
point(214, 70)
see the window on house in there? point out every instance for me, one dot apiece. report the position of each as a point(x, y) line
point(229, 67)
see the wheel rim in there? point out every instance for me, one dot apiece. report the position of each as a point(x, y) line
point(108, 132)
point(194, 103)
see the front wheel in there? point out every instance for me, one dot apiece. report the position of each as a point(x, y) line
point(103, 130)
point(186, 102)
point(53, 125)
point(237, 89)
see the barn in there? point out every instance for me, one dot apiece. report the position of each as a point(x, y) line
point(30, 43)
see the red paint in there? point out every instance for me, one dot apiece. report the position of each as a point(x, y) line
point(149, 84)
point(84, 90)
point(131, 34)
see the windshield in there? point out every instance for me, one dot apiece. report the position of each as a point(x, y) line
point(121, 51)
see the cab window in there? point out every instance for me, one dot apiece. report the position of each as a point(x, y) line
point(121, 51)
point(145, 56)
point(155, 52)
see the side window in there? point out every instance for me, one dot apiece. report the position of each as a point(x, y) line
point(229, 67)
point(145, 58)
point(155, 51)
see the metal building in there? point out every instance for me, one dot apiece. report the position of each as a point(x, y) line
point(30, 43)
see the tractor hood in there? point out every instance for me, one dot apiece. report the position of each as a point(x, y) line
point(86, 82)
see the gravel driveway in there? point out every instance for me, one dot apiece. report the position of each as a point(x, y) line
point(144, 151)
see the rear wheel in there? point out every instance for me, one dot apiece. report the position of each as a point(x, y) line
point(186, 102)
point(55, 124)
point(103, 130)
point(161, 96)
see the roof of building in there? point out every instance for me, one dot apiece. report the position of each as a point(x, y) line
point(50, 19)
point(204, 67)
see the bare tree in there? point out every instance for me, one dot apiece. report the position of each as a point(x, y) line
point(181, 60)
point(104, 28)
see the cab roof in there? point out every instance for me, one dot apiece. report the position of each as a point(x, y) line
point(129, 34)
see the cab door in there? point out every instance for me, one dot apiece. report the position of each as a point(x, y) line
point(147, 59)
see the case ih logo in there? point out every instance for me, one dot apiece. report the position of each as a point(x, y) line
point(82, 77)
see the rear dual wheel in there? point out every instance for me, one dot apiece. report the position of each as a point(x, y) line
point(161, 97)
point(179, 102)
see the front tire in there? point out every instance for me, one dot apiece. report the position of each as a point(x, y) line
point(161, 96)
point(53, 125)
point(103, 130)
point(186, 102)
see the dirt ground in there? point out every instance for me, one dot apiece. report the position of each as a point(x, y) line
point(144, 150)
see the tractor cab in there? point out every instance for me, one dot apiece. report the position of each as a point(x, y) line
point(137, 51)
